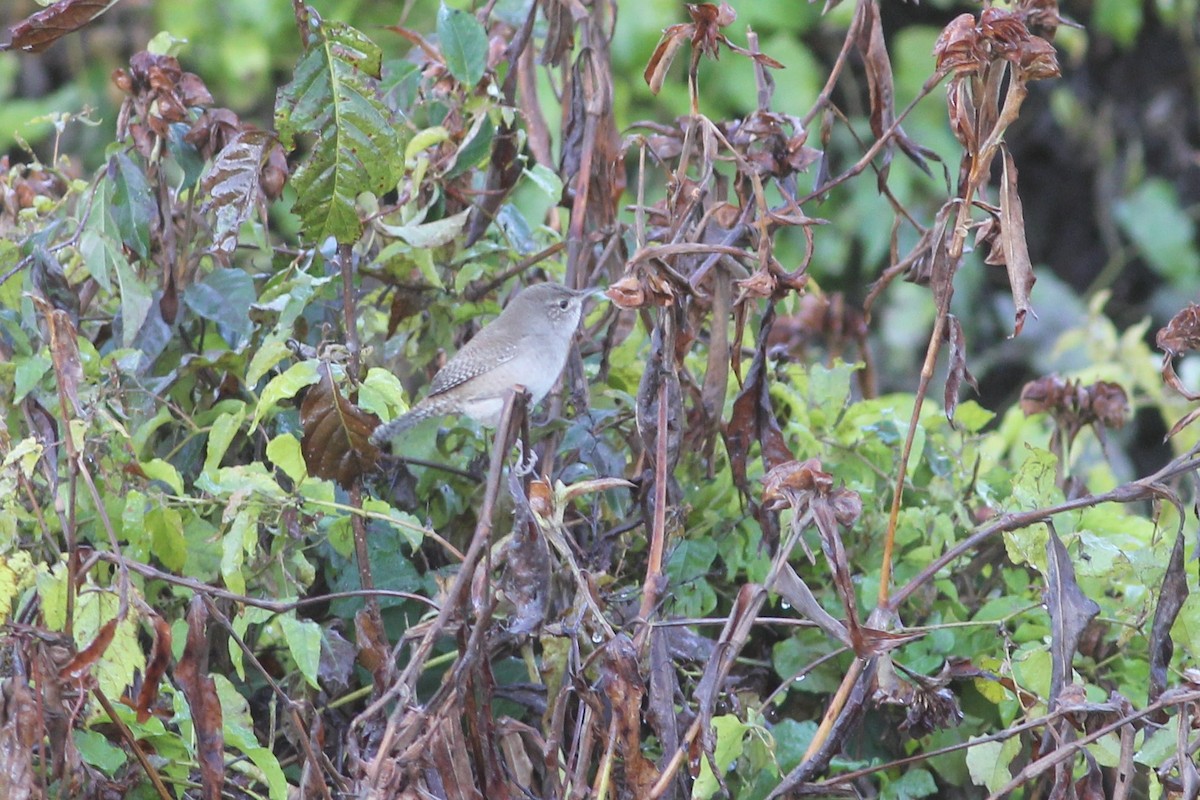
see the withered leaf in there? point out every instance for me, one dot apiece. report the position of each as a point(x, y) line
point(1016, 249)
point(959, 47)
point(38, 31)
point(792, 588)
point(78, 666)
point(1039, 60)
point(664, 54)
point(233, 185)
point(200, 690)
point(1070, 612)
point(64, 351)
point(1171, 598)
point(156, 667)
point(753, 417)
point(1181, 335)
point(622, 684)
point(958, 371)
point(336, 440)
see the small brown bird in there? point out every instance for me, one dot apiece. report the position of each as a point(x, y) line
point(527, 346)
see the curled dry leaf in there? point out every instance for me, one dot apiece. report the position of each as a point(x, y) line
point(156, 667)
point(761, 285)
point(1012, 237)
point(786, 484)
point(640, 289)
point(78, 666)
point(200, 690)
point(38, 31)
point(1073, 405)
point(959, 47)
point(1181, 335)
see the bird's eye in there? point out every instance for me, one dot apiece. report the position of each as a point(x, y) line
point(563, 304)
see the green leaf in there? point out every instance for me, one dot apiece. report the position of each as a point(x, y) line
point(304, 641)
point(29, 373)
point(547, 180)
point(224, 296)
point(185, 154)
point(1164, 234)
point(166, 533)
point(220, 435)
point(464, 44)
point(382, 394)
point(988, 762)
point(158, 470)
point(913, 784)
point(284, 452)
point(335, 96)
point(284, 386)
point(266, 357)
point(428, 234)
point(730, 733)
point(136, 300)
point(133, 525)
point(240, 541)
point(405, 524)
point(97, 750)
point(132, 206)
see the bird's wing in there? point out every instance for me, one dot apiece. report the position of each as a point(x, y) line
point(467, 364)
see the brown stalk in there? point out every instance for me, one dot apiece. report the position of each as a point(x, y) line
point(403, 690)
point(131, 741)
point(654, 576)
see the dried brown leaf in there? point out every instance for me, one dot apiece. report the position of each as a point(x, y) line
point(200, 690)
point(622, 685)
point(1039, 60)
point(21, 729)
point(78, 666)
point(156, 667)
point(64, 352)
point(792, 588)
point(1070, 612)
point(958, 371)
point(336, 434)
point(1171, 597)
point(40, 30)
point(1016, 249)
point(959, 47)
point(664, 54)
point(1180, 335)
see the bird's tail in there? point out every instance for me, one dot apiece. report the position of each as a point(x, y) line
point(390, 430)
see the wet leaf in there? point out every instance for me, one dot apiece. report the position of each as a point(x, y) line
point(335, 97)
point(233, 185)
point(40, 30)
point(336, 441)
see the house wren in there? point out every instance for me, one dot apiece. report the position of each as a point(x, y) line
point(527, 346)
